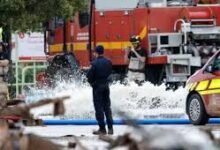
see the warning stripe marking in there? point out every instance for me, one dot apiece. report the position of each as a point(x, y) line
point(203, 85)
point(206, 87)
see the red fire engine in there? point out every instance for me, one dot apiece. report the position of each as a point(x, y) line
point(179, 35)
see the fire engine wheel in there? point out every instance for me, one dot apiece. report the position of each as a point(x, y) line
point(196, 110)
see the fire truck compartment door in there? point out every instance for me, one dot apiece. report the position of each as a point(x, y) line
point(185, 59)
point(117, 32)
point(179, 67)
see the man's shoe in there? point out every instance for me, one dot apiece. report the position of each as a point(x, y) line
point(110, 131)
point(99, 132)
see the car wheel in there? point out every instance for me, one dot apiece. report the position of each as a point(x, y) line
point(196, 110)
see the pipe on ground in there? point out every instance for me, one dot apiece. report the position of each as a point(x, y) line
point(123, 122)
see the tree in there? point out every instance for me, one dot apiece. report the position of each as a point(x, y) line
point(23, 15)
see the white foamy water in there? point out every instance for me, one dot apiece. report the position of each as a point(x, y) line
point(146, 101)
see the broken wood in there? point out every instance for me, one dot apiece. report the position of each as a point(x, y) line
point(22, 110)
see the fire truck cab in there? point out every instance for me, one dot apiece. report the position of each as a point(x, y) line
point(203, 100)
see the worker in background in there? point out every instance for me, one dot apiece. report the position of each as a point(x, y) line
point(204, 52)
point(192, 46)
point(98, 76)
point(213, 49)
point(135, 57)
point(4, 66)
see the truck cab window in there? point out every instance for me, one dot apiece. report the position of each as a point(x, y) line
point(59, 22)
point(51, 27)
point(83, 19)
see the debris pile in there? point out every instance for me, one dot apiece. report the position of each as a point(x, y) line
point(17, 110)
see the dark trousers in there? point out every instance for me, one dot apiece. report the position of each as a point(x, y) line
point(102, 104)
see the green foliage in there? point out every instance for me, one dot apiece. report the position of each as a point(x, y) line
point(23, 15)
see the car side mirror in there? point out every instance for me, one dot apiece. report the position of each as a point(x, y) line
point(209, 69)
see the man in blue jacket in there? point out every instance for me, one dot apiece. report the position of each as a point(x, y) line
point(98, 75)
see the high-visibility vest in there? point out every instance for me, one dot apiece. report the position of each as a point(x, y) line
point(1, 31)
point(136, 64)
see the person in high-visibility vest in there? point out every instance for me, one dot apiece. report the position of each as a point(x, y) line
point(1, 32)
point(135, 57)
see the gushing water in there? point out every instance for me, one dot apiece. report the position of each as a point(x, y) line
point(136, 101)
point(146, 101)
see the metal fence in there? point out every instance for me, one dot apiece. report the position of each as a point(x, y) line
point(23, 74)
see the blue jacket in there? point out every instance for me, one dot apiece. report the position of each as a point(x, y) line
point(100, 71)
